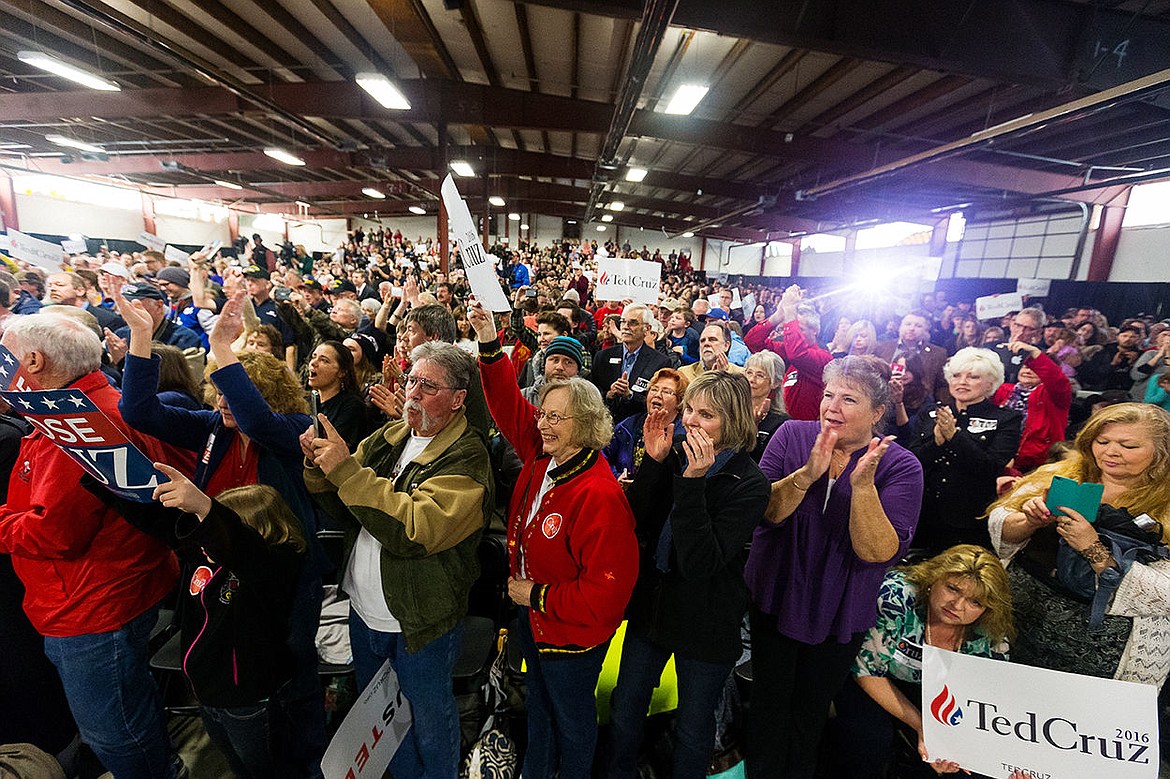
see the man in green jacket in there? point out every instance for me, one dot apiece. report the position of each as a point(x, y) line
point(420, 490)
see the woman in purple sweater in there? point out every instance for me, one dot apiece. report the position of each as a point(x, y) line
point(843, 509)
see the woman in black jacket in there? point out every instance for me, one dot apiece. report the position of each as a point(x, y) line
point(696, 505)
point(963, 447)
point(241, 554)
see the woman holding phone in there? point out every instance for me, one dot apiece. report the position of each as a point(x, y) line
point(1126, 449)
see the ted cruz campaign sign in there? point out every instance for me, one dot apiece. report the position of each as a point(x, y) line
point(995, 717)
point(636, 280)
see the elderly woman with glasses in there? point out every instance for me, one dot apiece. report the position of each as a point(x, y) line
point(627, 449)
point(572, 552)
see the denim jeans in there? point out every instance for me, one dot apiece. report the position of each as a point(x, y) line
point(304, 695)
point(431, 747)
point(254, 739)
point(699, 686)
point(562, 709)
point(114, 698)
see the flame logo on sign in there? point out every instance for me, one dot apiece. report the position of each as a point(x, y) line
point(604, 278)
point(945, 709)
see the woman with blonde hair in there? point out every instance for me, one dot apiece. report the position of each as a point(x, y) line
point(958, 600)
point(1126, 449)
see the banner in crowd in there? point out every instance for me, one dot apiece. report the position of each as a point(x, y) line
point(176, 255)
point(994, 717)
point(372, 731)
point(477, 263)
point(996, 306)
point(151, 241)
point(636, 280)
point(44, 254)
point(71, 421)
point(736, 301)
point(1033, 288)
point(74, 247)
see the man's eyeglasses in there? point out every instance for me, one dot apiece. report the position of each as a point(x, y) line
point(552, 417)
point(428, 386)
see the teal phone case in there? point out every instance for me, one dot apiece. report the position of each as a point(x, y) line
point(1082, 498)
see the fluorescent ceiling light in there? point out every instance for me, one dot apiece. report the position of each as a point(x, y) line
point(572, 221)
point(383, 90)
point(496, 201)
point(38, 59)
point(635, 174)
point(607, 218)
point(601, 228)
point(303, 204)
point(617, 205)
point(686, 98)
point(73, 143)
point(280, 155)
point(227, 184)
point(463, 169)
point(688, 234)
point(371, 192)
point(514, 217)
point(417, 210)
point(523, 227)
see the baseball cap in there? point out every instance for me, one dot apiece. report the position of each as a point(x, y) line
point(717, 313)
point(341, 285)
point(312, 284)
point(143, 290)
point(256, 272)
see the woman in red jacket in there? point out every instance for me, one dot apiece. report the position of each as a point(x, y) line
point(572, 552)
point(1043, 394)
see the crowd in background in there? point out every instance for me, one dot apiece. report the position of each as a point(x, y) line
point(839, 483)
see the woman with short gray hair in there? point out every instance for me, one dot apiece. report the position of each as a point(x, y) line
point(765, 374)
point(963, 446)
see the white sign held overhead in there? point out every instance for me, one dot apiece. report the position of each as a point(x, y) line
point(736, 302)
point(176, 255)
point(74, 247)
point(44, 254)
point(151, 241)
point(636, 280)
point(210, 249)
point(749, 305)
point(1033, 288)
point(479, 266)
point(996, 306)
point(995, 717)
point(5, 243)
point(372, 731)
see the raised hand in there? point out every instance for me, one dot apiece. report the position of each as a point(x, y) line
point(115, 346)
point(181, 493)
point(481, 322)
point(620, 388)
point(862, 475)
point(330, 451)
point(657, 433)
point(230, 323)
point(388, 402)
point(820, 457)
point(944, 425)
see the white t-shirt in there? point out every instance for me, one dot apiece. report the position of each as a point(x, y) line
point(363, 574)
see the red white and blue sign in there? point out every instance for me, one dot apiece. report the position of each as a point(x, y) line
point(71, 420)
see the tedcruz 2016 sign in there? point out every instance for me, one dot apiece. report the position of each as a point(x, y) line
point(636, 280)
point(994, 718)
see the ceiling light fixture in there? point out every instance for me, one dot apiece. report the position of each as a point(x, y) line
point(617, 205)
point(463, 169)
point(371, 192)
point(601, 228)
point(523, 227)
point(383, 90)
point(496, 201)
point(686, 98)
point(688, 234)
point(227, 184)
point(73, 143)
point(303, 204)
point(417, 210)
point(607, 218)
point(513, 217)
point(280, 155)
point(38, 59)
point(635, 174)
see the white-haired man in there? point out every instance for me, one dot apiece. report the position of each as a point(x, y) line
point(622, 372)
point(93, 582)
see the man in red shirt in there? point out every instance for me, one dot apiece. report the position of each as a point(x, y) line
point(796, 342)
point(93, 582)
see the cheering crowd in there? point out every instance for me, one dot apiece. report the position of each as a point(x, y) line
point(752, 474)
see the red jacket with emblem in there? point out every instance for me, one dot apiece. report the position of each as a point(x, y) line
point(1048, 408)
point(84, 568)
point(803, 385)
point(580, 548)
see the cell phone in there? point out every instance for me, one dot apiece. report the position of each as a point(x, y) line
point(315, 409)
point(530, 292)
point(1084, 498)
point(897, 370)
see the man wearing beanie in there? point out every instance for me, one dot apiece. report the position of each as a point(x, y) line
point(563, 359)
